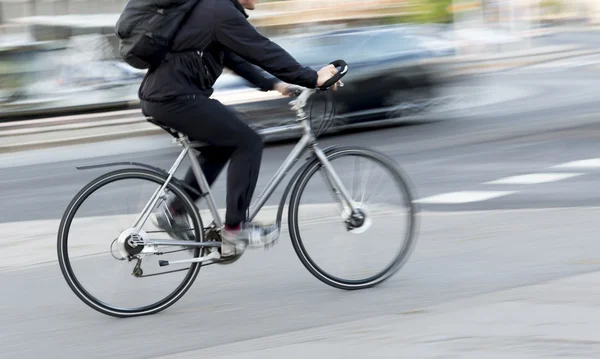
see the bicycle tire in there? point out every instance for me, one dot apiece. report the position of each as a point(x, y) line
point(309, 264)
point(62, 243)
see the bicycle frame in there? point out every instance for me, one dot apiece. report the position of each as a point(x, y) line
point(306, 141)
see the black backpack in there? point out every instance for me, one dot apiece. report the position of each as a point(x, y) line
point(146, 29)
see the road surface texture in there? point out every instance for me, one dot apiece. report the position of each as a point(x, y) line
point(509, 194)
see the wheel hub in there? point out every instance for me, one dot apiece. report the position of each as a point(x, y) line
point(358, 221)
point(131, 244)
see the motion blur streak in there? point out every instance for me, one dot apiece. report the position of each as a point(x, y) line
point(490, 107)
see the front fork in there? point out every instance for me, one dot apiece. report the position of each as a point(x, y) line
point(354, 217)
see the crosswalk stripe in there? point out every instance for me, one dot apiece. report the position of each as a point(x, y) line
point(587, 163)
point(463, 197)
point(535, 178)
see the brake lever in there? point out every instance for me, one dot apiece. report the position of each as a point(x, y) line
point(300, 101)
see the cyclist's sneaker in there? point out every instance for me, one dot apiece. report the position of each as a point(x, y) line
point(174, 223)
point(251, 235)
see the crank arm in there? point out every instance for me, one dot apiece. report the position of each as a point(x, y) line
point(214, 256)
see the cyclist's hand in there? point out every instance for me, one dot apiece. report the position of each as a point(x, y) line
point(325, 74)
point(282, 87)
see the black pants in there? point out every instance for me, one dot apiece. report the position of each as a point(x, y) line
point(209, 121)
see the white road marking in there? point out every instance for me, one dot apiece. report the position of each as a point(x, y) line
point(588, 163)
point(535, 178)
point(472, 212)
point(463, 197)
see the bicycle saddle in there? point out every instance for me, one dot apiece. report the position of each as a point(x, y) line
point(169, 130)
point(175, 133)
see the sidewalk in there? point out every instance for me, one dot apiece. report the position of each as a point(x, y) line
point(552, 319)
point(558, 318)
point(555, 319)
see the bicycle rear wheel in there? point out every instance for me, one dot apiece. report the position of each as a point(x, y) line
point(87, 242)
point(324, 224)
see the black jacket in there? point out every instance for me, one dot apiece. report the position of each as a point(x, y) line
point(215, 35)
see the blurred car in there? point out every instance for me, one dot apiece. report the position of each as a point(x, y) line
point(99, 75)
point(392, 73)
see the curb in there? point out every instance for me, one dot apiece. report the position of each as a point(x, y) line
point(28, 146)
point(552, 124)
point(60, 120)
point(92, 123)
point(36, 114)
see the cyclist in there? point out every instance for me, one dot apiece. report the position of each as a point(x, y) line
point(177, 93)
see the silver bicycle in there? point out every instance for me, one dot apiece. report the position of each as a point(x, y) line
point(135, 247)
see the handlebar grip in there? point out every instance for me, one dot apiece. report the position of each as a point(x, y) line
point(344, 69)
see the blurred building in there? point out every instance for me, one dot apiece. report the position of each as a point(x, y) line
point(63, 19)
point(288, 11)
point(272, 14)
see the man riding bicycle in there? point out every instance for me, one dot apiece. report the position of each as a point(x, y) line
point(216, 34)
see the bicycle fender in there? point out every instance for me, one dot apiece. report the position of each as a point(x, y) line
point(158, 170)
point(114, 164)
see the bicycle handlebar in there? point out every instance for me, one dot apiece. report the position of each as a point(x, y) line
point(303, 93)
point(341, 72)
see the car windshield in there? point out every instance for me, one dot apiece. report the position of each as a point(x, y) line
point(350, 47)
point(318, 50)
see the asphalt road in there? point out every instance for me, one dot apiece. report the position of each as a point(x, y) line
point(447, 151)
point(510, 239)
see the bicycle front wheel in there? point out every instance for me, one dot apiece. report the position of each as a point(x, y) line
point(335, 247)
point(88, 250)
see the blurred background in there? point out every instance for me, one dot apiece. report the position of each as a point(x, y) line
point(63, 54)
point(489, 106)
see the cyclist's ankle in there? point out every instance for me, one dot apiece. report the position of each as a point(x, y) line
point(231, 228)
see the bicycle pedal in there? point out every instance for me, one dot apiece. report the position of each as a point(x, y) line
point(271, 245)
point(227, 250)
point(231, 250)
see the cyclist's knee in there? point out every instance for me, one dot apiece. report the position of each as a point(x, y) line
point(253, 142)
